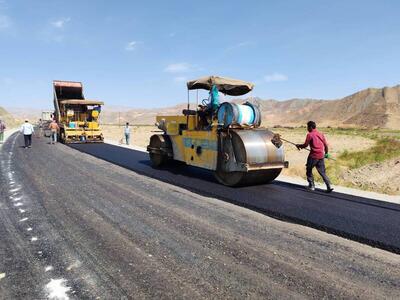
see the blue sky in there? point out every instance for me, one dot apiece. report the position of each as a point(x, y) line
point(140, 53)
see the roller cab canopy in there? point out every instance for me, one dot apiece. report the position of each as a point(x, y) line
point(82, 102)
point(228, 86)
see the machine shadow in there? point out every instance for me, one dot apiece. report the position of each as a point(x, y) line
point(180, 168)
point(139, 162)
point(267, 199)
point(341, 196)
point(199, 180)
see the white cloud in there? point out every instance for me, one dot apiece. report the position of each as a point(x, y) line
point(180, 79)
point(131, 45)
point(243, 44)
point(275, 77)
point(60, 23)
point(178, 68)
point(55, 31)
point(240, 45)
point(5, 22)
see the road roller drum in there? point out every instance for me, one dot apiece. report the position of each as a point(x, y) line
point(249, 157)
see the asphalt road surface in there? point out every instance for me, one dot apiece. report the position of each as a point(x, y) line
point(369, 221)
point(72, 225)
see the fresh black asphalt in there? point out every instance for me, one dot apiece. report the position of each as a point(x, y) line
point(73, 226)
point(365, 220)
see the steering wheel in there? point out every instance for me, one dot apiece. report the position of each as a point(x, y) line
point(204, 102)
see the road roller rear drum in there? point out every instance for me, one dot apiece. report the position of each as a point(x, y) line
point(160, 149)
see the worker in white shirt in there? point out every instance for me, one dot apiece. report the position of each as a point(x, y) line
point(27, 130)
point(127, 132)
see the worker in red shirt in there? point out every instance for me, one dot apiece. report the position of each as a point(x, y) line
point(318, 151)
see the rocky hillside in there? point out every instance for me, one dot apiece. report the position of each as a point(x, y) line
point(368, 108)
point(7, 118)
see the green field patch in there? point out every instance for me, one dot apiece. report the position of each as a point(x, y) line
point(384, 149)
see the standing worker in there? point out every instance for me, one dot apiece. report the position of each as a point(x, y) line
point(27, 131)
point(40, 128)
point(127, 132)
point(54, 128)
point(318, 151)
point(2, 129)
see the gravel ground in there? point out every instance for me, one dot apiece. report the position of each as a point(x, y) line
point(75, 226)
point(385, 176)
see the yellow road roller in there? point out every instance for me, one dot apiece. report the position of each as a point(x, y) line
point(225, 138)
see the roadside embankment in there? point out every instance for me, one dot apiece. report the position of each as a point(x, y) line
point(7, 133)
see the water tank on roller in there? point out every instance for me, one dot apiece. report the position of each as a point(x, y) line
point(238, 114)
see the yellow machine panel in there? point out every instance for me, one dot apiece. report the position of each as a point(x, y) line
point(174, 125)
point(93, 125)
point(200, 148)
point(178, 147)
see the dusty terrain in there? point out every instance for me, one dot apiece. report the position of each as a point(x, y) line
point(140, 135)
point(378, 176)
point(375, 177)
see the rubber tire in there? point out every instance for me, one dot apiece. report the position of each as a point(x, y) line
point(61, 137)
point(157, 160)
point(158, 141)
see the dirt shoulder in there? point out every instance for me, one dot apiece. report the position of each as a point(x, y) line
point(380, 176)
point(140, 135)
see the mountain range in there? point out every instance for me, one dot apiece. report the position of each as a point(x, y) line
point(369, 108)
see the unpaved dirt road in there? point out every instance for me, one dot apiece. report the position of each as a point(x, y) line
point(76, 226)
